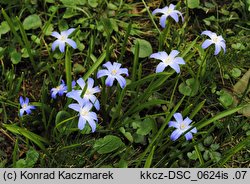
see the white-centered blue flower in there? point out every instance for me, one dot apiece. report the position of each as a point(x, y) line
point(218, 41)
point(25, 107)
point(181, 126)
point(113, 71)
point(85, 114)
point(168, 11)
point(89, 93)
point(62, 39)
point(168, 60)
point(60, 90)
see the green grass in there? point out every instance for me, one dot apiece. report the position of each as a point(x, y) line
point(132, 128)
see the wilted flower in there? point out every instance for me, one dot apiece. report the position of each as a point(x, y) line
point(85, 114)
point(89, 93)
point(168, 11)
point(62, 39)
point(25, 106)
point(113, 72)
point(218, 41)
point(168, 60)
point(181, 126)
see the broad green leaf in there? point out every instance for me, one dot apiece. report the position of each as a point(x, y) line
point(189, 88)
point(32, 22)
point(126, 134)
point(192, 155)
point(31, 158)
point(143, 127)
point(193, 3)
point(108, 144)
point(4, 28)
point(145, 48)
point(235, 73)
point(93, 3)
point(73, 2)
point(226, 99)
point(38, 140)
point(15, 57)
point(70, 12)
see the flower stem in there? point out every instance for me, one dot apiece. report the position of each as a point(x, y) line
point(68, 70)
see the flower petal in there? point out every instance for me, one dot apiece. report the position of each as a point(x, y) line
point(160, 67)
point(179, 61)
point(159, 55)
point(121, 80)
point(174, 15)
point(173, 124)
point(117, 66)
point(102, 73)
point(194, 130)
point(207, 32)
point(92, 124)
point(217, 49)
point(158, 10)
point(163, 21)
point(61, 46)
point(72, 43)
point(108, 65)
point(21, 112)
point(109, 81)
point(175, 135)
point(21, 100)
point(176, 67)
point(223, 45)
point(187, 121)
point(90, 83)
point(206, 43)
point(123, 71)
point(81, 123)
point(55, 44)
point(55, 34)
point(68, 32)
point(174, 53)
point(75, 107)
point(81, 83)
point(26, 101)
point(188, 136)
point(178, 117)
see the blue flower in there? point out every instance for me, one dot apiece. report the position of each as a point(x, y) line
point(89, 93)
point(85, 114)
point(62, 39)
point(181, 126)
point(218, 41)
point(62, 88)
point(25, 106)
point(114, 71)
point(168, 11)
point(168, 60)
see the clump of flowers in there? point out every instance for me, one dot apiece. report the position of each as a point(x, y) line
point(168, 60)
point(88, 94)
point(85, 114)
point(181, 126)
point(62, 39)
point(168, 11)
point(25, 107)
point(113, 71)
point(218, 41)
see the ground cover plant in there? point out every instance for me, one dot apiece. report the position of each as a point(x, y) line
point(119, 83)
